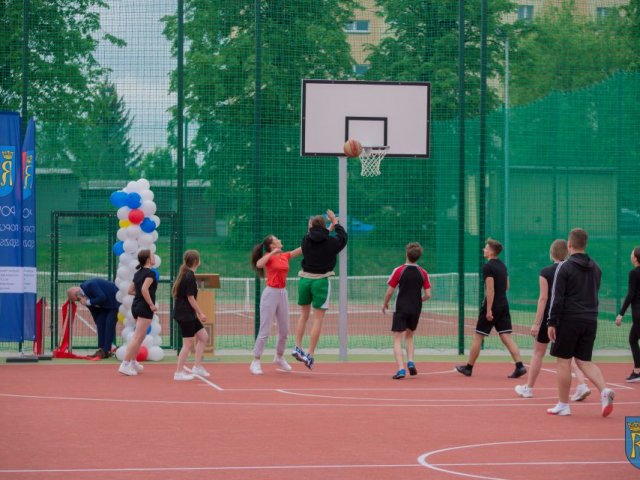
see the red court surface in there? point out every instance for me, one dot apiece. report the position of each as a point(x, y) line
point(341, 421)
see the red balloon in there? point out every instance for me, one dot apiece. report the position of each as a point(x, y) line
point(142, 354)
point(136, 216)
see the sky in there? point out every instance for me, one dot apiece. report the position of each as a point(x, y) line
point(141, 70)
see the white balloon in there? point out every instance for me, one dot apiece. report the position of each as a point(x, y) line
point(143, 183)
point(129, 322)
point(156, 220)
point(133, 187)
point(154, 235)
point(145, 240)
point(119, 296)
point(158, 261)
point(123, 213)
point(125, 259)
point(148, 207)
point(123, 309)
point(120, 352)
point(122, 235)
point(157, 341)
point(134, 231)
point(123, 290)
point(146, 195)
point(152, 248)
point(155, 354)
point(155, 329)
point(130, 246)
point(148, 341)
point(127, 301)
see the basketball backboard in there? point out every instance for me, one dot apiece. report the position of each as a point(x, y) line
point(394, 114)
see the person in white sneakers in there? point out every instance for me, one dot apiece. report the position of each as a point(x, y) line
point(143, 288)
point(558, 252)
point(573, 322)
point(274, 302)
point(189, 316)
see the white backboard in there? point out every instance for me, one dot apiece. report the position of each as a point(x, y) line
point(394, 114)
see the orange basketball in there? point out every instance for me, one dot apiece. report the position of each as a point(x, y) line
point(352, 148)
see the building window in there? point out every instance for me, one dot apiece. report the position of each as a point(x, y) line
point(357, 26)
point(525, 13)
point(603, 12)
point(360, 69)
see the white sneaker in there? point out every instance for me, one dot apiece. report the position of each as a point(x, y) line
point(524, 391)
point(255, 367)
point(200, 371)
point(127, 369)
point(606, 398)
point(282, 363)
point(137, 366)
point(182, 376)
point(562, 410)
point(582, 392)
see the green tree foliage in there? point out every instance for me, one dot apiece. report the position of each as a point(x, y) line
point(62, 70)
point(565, 50)
point(421, 44)
point(157, 164)
point(299, 39)
point(106, 150)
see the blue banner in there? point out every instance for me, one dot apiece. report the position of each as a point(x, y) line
point(29, 230)
point(11, 283)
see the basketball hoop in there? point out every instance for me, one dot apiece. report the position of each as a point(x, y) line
point(371, 158)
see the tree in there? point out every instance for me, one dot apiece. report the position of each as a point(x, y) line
point(61, 68)
point(565, 50)
point(421, 44)
point(157, 165)
point(106, 150)
point(299, 39)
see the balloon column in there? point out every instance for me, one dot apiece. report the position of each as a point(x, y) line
point(138, 231)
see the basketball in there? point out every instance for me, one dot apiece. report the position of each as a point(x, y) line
point(352, 148)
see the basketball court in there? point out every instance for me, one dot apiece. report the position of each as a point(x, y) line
point(341, 420)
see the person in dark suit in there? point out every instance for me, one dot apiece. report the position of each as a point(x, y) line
point(99, 296)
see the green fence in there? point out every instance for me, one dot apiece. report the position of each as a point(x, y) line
point(203, 99)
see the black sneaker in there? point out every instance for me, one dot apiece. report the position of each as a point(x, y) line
point(100, 353)
point(299, 355)
point(309, 362)
point(400, 374)
point(464, 370)
point(634, 377)
point(412, 368)
point(518, 372)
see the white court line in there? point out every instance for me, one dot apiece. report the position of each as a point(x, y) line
point(190, 469)
point(354, 374)
point(522, 403)
point(473, 400)
point(617, 385)
point(422, 459)
point(208, 382)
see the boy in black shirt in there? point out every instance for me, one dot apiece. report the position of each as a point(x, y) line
point(411, 278)
point(494, 311)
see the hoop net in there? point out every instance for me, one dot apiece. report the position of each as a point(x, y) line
point(370, 159)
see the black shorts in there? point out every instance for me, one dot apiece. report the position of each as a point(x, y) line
point(189, 328)
point(574, 339)
point(543, 333)
point(405, 321)
point(141, 309)
point(501, 320)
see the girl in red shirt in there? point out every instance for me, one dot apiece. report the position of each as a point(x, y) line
point(274, 302)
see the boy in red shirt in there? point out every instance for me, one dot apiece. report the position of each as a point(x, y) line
point(411, 280)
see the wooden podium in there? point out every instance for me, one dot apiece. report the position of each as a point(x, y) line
point(207, 283)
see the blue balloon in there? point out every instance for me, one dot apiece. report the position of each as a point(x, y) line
point(118, 248)
point(155, 270)
point(148, 225)
point(134, 200)
point(119, 198)
point(149, 330)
